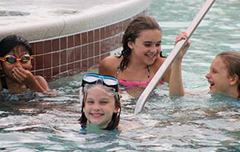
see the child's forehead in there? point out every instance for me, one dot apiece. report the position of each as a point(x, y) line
point(99, 88)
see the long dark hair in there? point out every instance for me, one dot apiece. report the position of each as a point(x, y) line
point(232, 62)
point(132, 33)
point(113, 124)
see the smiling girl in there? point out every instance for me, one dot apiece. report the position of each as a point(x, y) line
point(223, 76)
point(100, 102)
point(141, 56)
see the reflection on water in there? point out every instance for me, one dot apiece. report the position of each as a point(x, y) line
point(205, 122)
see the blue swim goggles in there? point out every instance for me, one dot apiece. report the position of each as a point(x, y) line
point(92, 78)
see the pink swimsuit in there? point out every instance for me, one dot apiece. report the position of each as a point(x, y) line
point(130, 84)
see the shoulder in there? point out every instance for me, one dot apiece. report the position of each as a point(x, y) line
point(43, 83)
point(40, 78)
point(109, 65)
point(159, 62)
point(157, 65)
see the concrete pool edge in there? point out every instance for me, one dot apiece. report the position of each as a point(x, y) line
point(73, 45)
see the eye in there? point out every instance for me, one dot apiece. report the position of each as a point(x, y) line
point(158, 44)
point(25, 58)
point(104, 102)
point(89, 102)
point(214, 71)
point(10, 59)
point(147, 44)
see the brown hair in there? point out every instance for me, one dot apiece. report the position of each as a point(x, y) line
point(232, 62)
point(132, 33)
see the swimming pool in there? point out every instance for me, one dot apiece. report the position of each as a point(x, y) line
point(68, 37)
point(206, 122)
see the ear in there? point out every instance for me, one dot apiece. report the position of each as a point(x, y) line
point(116, 109)
point(83, 109)
point(130, 44)
point(234, 79)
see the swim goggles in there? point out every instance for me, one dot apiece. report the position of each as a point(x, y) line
point(92, 78)
point(10, 59)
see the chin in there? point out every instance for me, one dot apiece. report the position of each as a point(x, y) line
point(149, 63)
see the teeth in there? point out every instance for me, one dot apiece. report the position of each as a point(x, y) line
point(150, 55)
point(96, 114)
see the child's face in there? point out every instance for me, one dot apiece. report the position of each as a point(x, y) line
point(18, 51)
point(147, 46)
point(218, 77)
point(99, 107)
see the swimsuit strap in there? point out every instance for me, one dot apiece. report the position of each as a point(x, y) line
point(148, 71)
point(118, 71)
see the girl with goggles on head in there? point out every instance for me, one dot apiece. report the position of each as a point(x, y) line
point(100, 102)
point(15, 66)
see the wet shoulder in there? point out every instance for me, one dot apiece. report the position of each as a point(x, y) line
point(109, 65)
point(157, 64)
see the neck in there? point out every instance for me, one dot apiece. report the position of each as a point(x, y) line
point(232, 92)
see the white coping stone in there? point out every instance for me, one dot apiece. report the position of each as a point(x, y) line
point(89, 19)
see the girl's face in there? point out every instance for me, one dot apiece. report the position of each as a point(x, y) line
point(99, 107)
point(147, 46)
point(18, 51)
point(218, 77)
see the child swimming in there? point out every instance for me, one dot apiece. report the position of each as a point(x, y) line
point(223, 77)
point(141, 56)
point(15, 67)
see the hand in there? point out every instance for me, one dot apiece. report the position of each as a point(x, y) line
point(23, 76)
point(182, 36)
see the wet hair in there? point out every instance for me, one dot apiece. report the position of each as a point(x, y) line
point(113, 124)
point(232, 62)
point(10, 42)
point(132, 33)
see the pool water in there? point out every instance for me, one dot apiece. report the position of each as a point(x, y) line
point(39, 11)
point(204, 122)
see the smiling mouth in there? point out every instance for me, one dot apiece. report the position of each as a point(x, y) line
point(150, 55)
point(96, 115)
point(211, 83)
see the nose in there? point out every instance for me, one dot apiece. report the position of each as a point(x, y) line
point(208, 76)
point(96, 107)
point(155, 48)
point(18, 63)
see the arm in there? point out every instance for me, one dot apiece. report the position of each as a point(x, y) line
point(43, 83)
point(175, 82)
